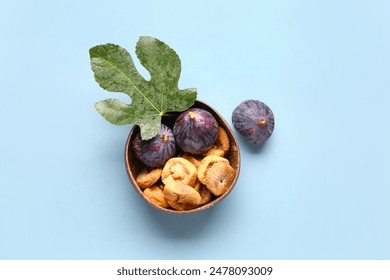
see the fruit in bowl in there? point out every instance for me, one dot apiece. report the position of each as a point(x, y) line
point(157, 151)
point(174, 136)
point(189, 182)
point(195, 131)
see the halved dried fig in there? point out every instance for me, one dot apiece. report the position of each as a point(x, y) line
point(181, 196)
point(179, 169)
point(219, 178)
point(156, 196)
point(206, 163)
point(148, 177)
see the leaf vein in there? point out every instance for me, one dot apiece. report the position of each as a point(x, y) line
point(131, 82)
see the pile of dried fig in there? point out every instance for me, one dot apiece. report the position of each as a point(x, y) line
point(198, 170)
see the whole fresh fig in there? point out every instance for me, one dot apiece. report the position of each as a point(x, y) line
point(195, 130)
point(254, 120)
point(156, 151)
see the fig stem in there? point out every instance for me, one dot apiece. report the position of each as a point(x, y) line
point(192, 115)
point(262, 122)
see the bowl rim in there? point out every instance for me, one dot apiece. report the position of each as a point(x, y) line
point(233, 142)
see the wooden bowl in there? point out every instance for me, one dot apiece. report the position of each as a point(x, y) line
point(134, 166)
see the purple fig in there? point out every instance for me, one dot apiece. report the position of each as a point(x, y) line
point(195, 130)
point(254, 120)
point(156, 151)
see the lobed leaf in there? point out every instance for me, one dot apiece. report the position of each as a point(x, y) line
point(114, 71)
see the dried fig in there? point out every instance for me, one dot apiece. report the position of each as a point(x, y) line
point(181, 196)
point(219, 178)
point(179, 169)
point(156, 196)
point(221, 145)
point(254, 120)
point(204, 192)
point(195, 130)
point(205, 164)
point(148, 177)
point(156, 151)
point(222, 141)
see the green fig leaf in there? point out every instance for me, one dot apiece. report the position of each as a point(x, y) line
point(114, 71)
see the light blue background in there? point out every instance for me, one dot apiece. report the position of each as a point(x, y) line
point(319, 189)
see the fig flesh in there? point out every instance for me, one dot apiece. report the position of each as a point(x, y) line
point(195, 131)
point(254, 120)
point(156, 151)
